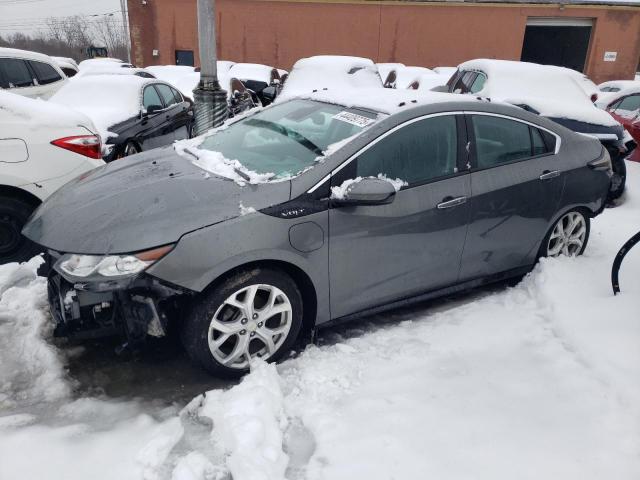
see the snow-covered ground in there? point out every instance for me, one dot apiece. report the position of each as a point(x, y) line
point(535, 381)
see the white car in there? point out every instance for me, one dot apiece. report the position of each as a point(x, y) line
point(29, 73)
point(103, 61)
point(42, 147)
point(615, 89)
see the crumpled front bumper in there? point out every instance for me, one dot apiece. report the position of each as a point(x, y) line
point(133, 307)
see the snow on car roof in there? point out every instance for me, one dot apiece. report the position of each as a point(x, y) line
point(170, 73)
point(382, 100)
point(36, 113)
point(330, 72)
point(407, 75)
point(251, 71)
point(91, 62)
point(106, 99)
point(17, 53)
point(552, 91)
point(620, 84)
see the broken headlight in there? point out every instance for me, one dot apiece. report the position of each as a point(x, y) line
point(83, 266)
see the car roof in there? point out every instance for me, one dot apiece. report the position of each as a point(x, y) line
point(27, 54)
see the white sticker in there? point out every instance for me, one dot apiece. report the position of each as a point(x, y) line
point(353, 119)
point(610, 56)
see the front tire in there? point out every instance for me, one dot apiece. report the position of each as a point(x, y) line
point(130, 148)
point(619, 178)
point(253, 314)
point(14, 247)
point(568, 236)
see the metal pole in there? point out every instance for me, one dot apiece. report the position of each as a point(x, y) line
point(210, 99)
point(125, 27)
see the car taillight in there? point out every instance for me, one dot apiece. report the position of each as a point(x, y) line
point(594, 97)
point(87, 145)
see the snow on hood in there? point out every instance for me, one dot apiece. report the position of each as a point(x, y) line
point(552, 91)
point(36, 113)
point(106, 99)
point(329, 72)
point(384, 69)
point(170, 73)
point(427, 82)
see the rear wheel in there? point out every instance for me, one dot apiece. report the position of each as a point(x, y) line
point(568, 236)
point(14, 247)
point(253, 314)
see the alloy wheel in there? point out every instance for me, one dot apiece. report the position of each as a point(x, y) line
point(252, 322)
point(568, 236)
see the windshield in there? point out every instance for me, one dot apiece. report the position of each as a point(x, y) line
point(286, 139)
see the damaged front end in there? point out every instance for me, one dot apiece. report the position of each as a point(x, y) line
point(98, 296)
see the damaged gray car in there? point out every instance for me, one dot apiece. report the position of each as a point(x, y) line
point(314, 211)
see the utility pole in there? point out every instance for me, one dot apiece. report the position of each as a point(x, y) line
point(210, 99)
point(125, 27)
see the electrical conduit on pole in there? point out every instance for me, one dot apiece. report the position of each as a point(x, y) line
point(210, 99)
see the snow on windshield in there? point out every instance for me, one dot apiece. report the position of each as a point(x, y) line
point(106, 99)
point(277, 143)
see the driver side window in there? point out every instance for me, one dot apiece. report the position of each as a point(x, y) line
point(417, 153)
point(150, 97)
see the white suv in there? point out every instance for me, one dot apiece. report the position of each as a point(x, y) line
point(42, 147)
point(29, 73)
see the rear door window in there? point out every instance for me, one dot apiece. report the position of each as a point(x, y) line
point(45, 73)
point(166, 94)
point(629, 104)
point(417, 153)
point(15, 73)
point(500, 140)
point(177, 95)
point(478, 83)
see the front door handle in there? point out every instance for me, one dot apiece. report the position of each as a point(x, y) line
point(449, 202)
point(547, 175)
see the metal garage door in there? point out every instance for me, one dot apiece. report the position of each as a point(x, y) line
point(557, 41)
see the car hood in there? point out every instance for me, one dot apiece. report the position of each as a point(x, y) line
point(141, 202)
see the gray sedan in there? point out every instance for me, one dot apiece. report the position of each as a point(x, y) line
point(313, 211)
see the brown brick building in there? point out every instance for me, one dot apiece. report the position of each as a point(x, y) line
point(598, 37)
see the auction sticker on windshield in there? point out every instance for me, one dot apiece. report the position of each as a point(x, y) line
point(353, 119)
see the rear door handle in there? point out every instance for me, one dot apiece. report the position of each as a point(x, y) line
point(449, 202)
point(546, 175)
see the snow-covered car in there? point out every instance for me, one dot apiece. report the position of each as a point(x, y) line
point(330, 72)
point(446, 71)
point(42, 147)
point(67, 65)
point(557, 93)
point(387, 72)
point(624, 106)
point(409, 77)
point(613, 90)
point(29, 73)
point(102, 61)
point(170, 73)
point(323, 208)
point(131, 113)
point(110, 70)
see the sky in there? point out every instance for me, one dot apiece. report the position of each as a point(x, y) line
point(28, 16)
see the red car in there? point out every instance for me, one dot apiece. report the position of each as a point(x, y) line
point(626, 110)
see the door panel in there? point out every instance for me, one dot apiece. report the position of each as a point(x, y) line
point(510, 210)
point(378, 254)
point(382, 253)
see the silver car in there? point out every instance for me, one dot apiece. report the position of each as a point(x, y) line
point(313, 211)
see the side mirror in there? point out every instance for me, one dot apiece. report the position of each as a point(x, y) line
point(363, 191)
point(151, 109)
point(270, 93)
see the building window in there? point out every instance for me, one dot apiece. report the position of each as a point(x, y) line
point(184, 57)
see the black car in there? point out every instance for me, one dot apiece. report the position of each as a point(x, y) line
point(132, 113)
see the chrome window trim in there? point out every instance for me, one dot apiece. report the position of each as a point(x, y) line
point(423, 117)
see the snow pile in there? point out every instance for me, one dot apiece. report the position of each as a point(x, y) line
point(552, 91)
point(106, 99)
point(245, 210)
point(248, 423)
point(35, 113)
point(31, 370)
point(328, 72)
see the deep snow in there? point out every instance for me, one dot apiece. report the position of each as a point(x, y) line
point(537, 381)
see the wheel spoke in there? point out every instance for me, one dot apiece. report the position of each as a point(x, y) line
point(220, 340)
point(239, 350)
point(225, 327)
point(267, 339)
point(555, 250)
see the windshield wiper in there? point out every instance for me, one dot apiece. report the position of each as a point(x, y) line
point(287, 132)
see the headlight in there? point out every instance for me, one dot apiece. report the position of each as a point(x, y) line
point(110, 265)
